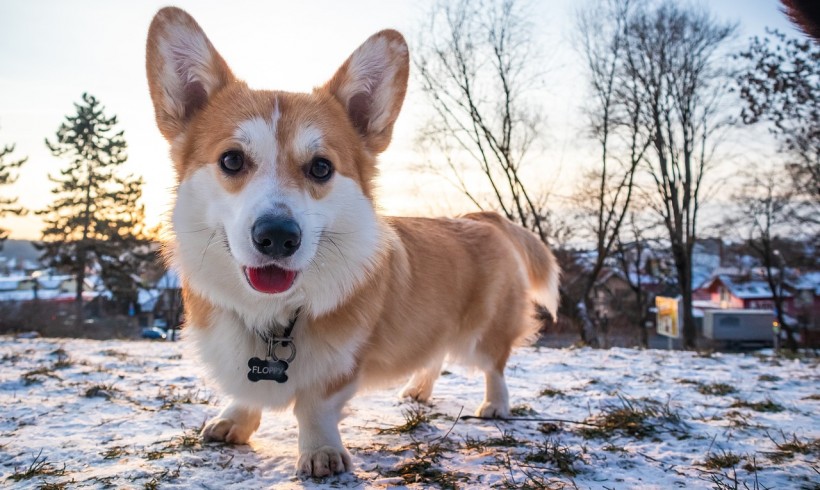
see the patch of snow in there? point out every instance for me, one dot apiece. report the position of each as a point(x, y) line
point(127, 414)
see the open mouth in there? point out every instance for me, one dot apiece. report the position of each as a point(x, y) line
point(270, 279)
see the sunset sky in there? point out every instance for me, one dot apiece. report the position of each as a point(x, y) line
point(53, 51)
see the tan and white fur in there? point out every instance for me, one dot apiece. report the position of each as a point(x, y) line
point(380, 298)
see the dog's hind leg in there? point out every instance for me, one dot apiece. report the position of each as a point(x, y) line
point(494, 348)
point(496, 399)
point(420, 385)
point(233, 425)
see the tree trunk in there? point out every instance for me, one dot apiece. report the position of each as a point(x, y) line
point(791, 342)
point(777, 295)
point(690, 332)
point(78, 298)
point(644, 335)
point(683, 265)
point(589, 327)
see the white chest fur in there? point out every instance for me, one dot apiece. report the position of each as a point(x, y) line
point(225, 347)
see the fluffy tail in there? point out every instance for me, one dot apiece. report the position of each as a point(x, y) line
point(542, 268)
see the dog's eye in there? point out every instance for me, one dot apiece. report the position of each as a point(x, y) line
point(320, 169)
point(231, 162)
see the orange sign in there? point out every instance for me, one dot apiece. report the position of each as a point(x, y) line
point(668, 316)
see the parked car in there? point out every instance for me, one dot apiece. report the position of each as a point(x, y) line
point(153, 333)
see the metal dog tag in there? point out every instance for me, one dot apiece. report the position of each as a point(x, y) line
point(267, 369)
point(274, 368)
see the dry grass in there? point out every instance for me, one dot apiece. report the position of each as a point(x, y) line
point(414, 418)
point(554, 454)
point(715, 461)
point(635, 418)
point(38, 467)
point(717, 389)
point(766, 405)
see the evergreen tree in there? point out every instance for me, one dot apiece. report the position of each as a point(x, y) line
point(96, 216)
point(8, 205)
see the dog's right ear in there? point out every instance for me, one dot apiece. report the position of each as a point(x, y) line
point(184, 69)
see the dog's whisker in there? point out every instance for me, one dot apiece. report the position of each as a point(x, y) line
point(205, 250)
point(192, 231)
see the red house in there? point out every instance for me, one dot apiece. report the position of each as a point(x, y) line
point(725, 292)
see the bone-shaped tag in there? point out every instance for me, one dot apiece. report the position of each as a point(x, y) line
point(267, 369)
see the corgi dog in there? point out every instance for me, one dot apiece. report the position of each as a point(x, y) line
point(297, 291)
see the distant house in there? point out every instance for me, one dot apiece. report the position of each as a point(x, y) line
point(724, 291)
point(613, 286)
point(57, 288)
point(807, 299)
point(162, 304)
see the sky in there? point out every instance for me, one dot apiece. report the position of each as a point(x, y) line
point(51, 51)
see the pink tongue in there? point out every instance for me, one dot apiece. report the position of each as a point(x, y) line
point(270, 279)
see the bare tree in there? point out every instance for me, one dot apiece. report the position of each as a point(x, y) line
point(476, 65)
point(674, 55)
point(780, 85)
point(764, 213)
point(632, 255)
point(618, 124)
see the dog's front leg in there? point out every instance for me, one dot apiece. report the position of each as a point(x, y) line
point(233, 425)
point(321, 452)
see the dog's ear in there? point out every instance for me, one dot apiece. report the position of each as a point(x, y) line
point(371, 85)
point(184, 69)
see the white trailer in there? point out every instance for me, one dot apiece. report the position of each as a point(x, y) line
point(739, 326)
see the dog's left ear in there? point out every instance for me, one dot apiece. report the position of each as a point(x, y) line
point(371, 85)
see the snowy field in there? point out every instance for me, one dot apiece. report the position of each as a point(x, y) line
point(120, 414)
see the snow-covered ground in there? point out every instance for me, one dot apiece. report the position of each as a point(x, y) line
point(123, 414)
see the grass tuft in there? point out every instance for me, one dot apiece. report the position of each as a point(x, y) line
point(39, 467)
point(507, 439)
point(718, 389)
point(715, 461)
point(37, 376)
point(101, 391)
point(552, 393)
point(423, 467)
point(522, 410)
point(788, 447)
point(414, 418)
point(766, 405)
point(548, 428)
point(114, 452)
point(636, 418)
point(554, 454)
point(173, 398)
point(115, 353)
point(63, 360)
point(54, 485)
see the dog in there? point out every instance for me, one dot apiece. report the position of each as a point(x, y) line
point(296, 291)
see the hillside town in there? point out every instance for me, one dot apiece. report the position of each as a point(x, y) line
point(722, 281)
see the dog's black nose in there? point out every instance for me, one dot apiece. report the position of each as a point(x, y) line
point(277, 237)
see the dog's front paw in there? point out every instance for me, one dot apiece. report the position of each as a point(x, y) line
point(493, 410)
point(227, 430)
point(324, 461)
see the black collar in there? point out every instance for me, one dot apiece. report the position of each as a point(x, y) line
point(286, 338)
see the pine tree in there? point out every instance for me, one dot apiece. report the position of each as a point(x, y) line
point(8, 205)
point(96, 216)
